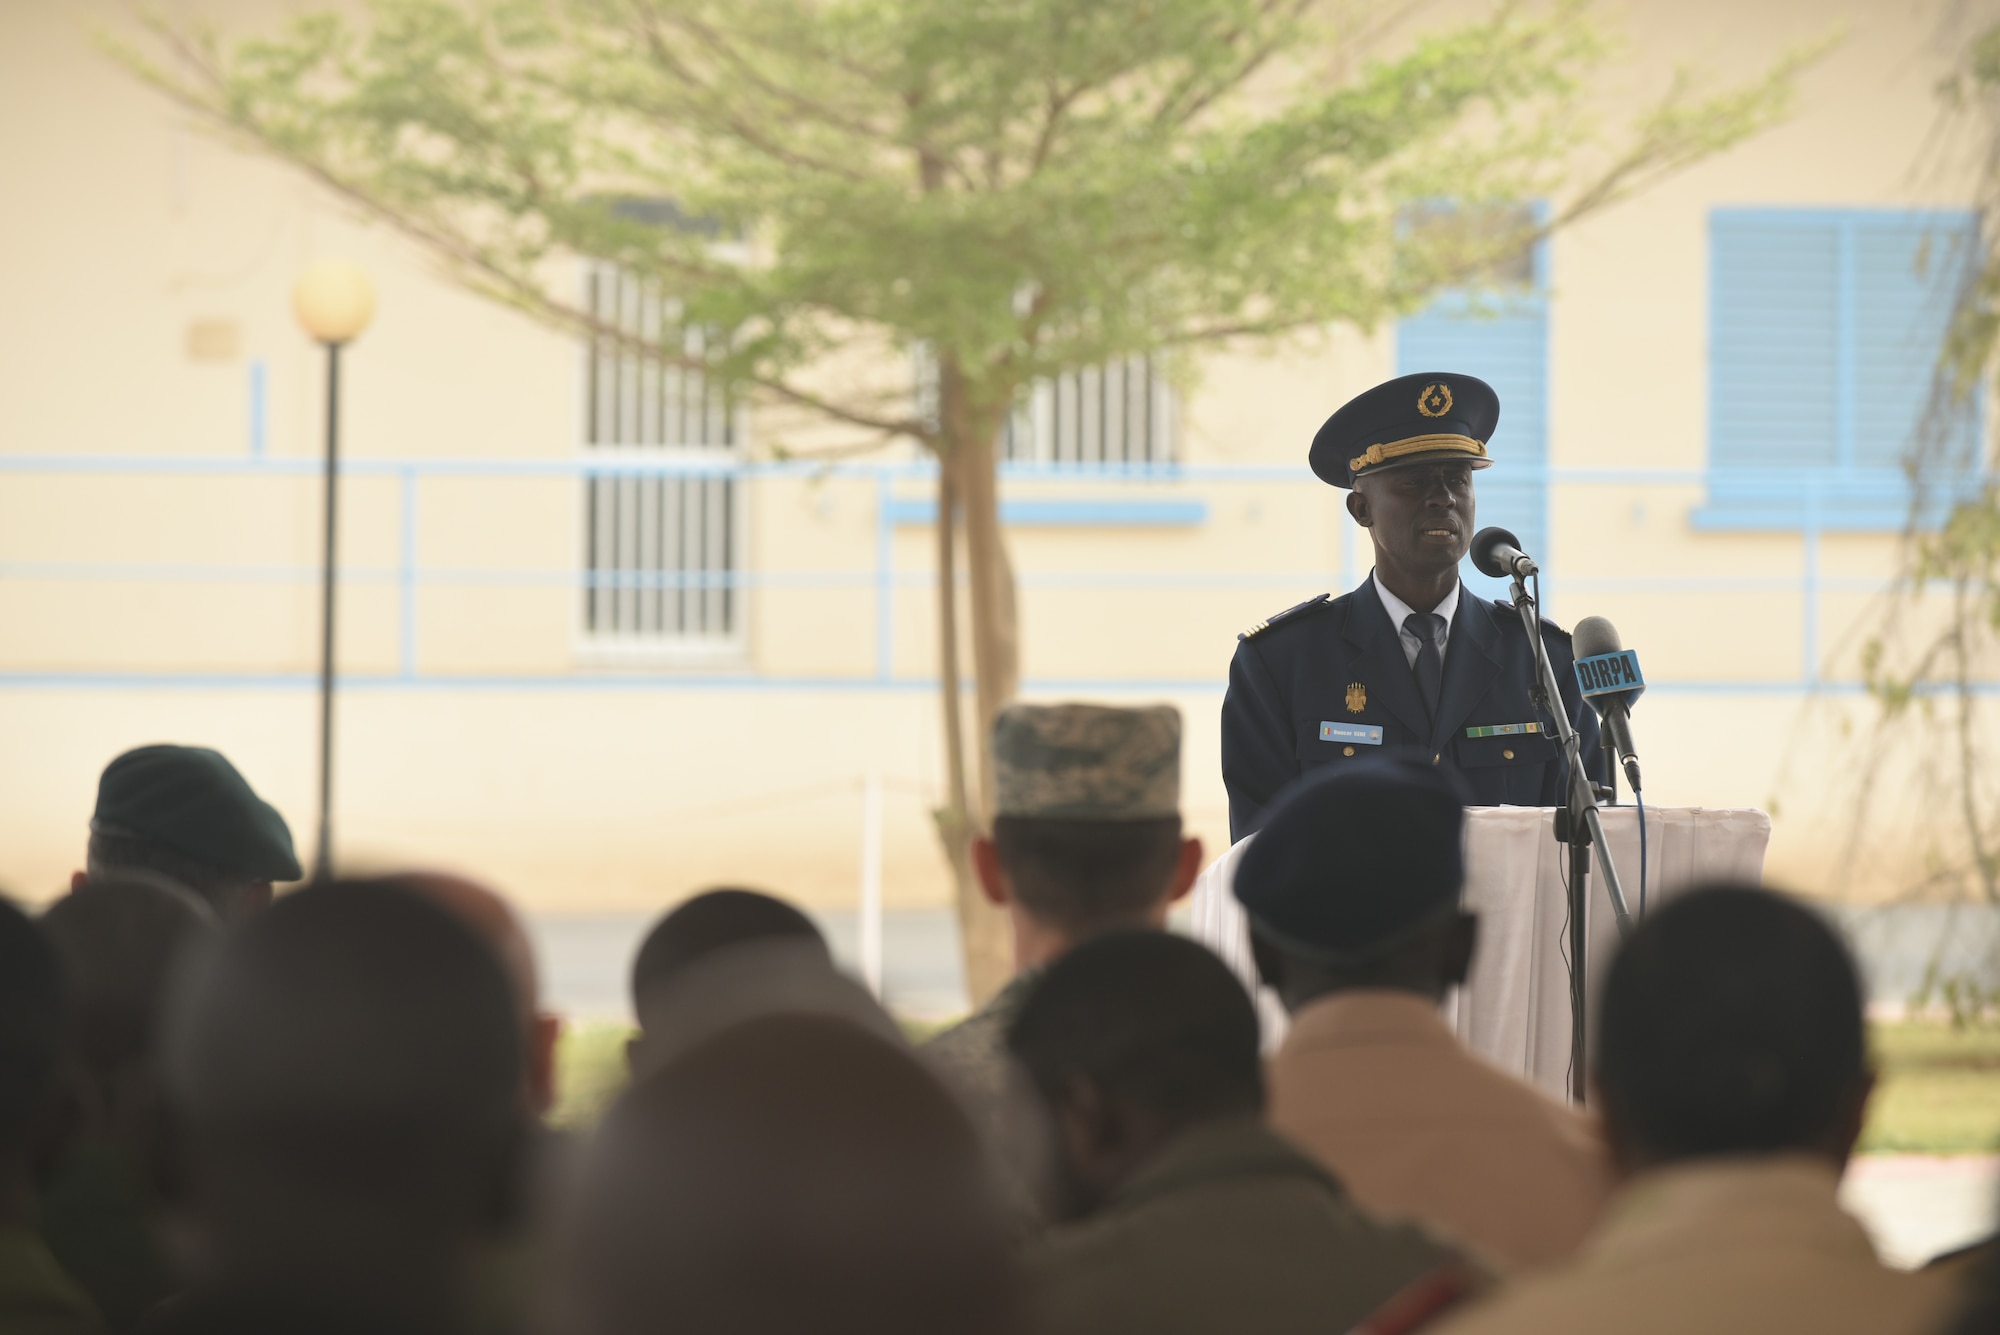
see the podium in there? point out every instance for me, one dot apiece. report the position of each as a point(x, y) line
point(1514, 1007)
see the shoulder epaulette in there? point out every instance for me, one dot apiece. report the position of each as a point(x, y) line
point(1506, 606)
point(1285, 615)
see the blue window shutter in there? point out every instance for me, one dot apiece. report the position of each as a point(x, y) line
point(1504, 342)
point(1904, 271)
point(1825, 331)
point(1775, 340)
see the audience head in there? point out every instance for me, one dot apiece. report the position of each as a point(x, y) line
point(710, 921)
point(792, 1176)
point(1087, 831)
point(727, 956)
point(33, 1018)
point(1129, 1040)
point(1731, 1024)
point(1353, 882)
point(185, 814)
point(494, 920)
point(347, 1071)
point(119, 942)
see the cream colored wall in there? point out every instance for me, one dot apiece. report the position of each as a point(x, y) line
point(584, 786)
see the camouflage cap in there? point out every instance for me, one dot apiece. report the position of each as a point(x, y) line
point(1087, 762)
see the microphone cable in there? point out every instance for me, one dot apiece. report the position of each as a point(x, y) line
point(1562, 863)
point(1639, 799)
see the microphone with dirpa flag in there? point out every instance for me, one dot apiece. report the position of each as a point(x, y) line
point(1578, 822)
point(1609, 676)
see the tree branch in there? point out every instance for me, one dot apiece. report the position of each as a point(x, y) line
point(1171, 111)
point(750, 75)
point(744, 131)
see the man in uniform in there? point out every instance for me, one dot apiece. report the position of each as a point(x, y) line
point(1408, 659)
point(1086, 839)
point(1352, 891)
point(1733, 1075)
point(1179, 1211)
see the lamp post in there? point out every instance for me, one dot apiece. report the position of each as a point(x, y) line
point(333, 302)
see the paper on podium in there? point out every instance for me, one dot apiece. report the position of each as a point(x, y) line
point(1514, 1007)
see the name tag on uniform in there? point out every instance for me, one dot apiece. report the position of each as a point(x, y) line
point(1364, 734)
point(1503, 730)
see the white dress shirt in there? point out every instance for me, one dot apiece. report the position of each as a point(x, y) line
point(1399, 611)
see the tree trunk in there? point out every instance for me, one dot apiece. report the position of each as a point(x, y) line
point(982, 929)
point(967, 475)
point(996, 650)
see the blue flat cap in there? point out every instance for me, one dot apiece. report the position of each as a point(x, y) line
point(192, 800)
point(1353, 857)
point(1413, 419)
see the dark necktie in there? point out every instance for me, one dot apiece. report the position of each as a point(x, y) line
point(1427, 626)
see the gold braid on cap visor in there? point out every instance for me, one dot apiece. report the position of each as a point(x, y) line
point(1382, 454)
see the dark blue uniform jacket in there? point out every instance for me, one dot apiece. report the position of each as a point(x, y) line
point(1301, 690)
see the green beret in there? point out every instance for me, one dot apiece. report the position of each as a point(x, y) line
point(1087, 762)
point(191, 799)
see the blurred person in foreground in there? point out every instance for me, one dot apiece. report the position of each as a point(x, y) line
point(1352, 891)
point(728, 955)
point(37, 1297)
point(794, 1175)
point(119, 942)
point(1086, 839)
point(489, 914)
point(1180, 1210)
point(1977, 1282)
point(184, 814)
point(508, 1273)
point(347, 1074)
point(1733, 1076)
point(1974, 1271)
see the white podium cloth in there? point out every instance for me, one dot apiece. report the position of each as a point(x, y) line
point(1514, 1007)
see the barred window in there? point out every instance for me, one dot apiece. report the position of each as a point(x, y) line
point(1123, 412)
point(661, 551)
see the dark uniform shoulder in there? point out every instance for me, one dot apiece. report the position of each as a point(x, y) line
point(1278, 618)
point(1513, 618)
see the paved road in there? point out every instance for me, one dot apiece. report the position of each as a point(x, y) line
point(1917, 1205)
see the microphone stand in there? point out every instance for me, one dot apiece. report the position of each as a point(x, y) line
point(1580, 826)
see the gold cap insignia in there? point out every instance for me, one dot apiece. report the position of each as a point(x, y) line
point(1435, 401)
point(1357, 697)
point(1433, 444)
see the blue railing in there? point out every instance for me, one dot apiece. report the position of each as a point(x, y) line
point(896, 501)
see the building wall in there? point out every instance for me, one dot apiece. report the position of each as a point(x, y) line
point(159, 538)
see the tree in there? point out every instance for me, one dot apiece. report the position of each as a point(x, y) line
point(1936, 640)
point(1015, 188)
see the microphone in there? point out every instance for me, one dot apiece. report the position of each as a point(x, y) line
point(1610, 679)
point(1498, 553)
